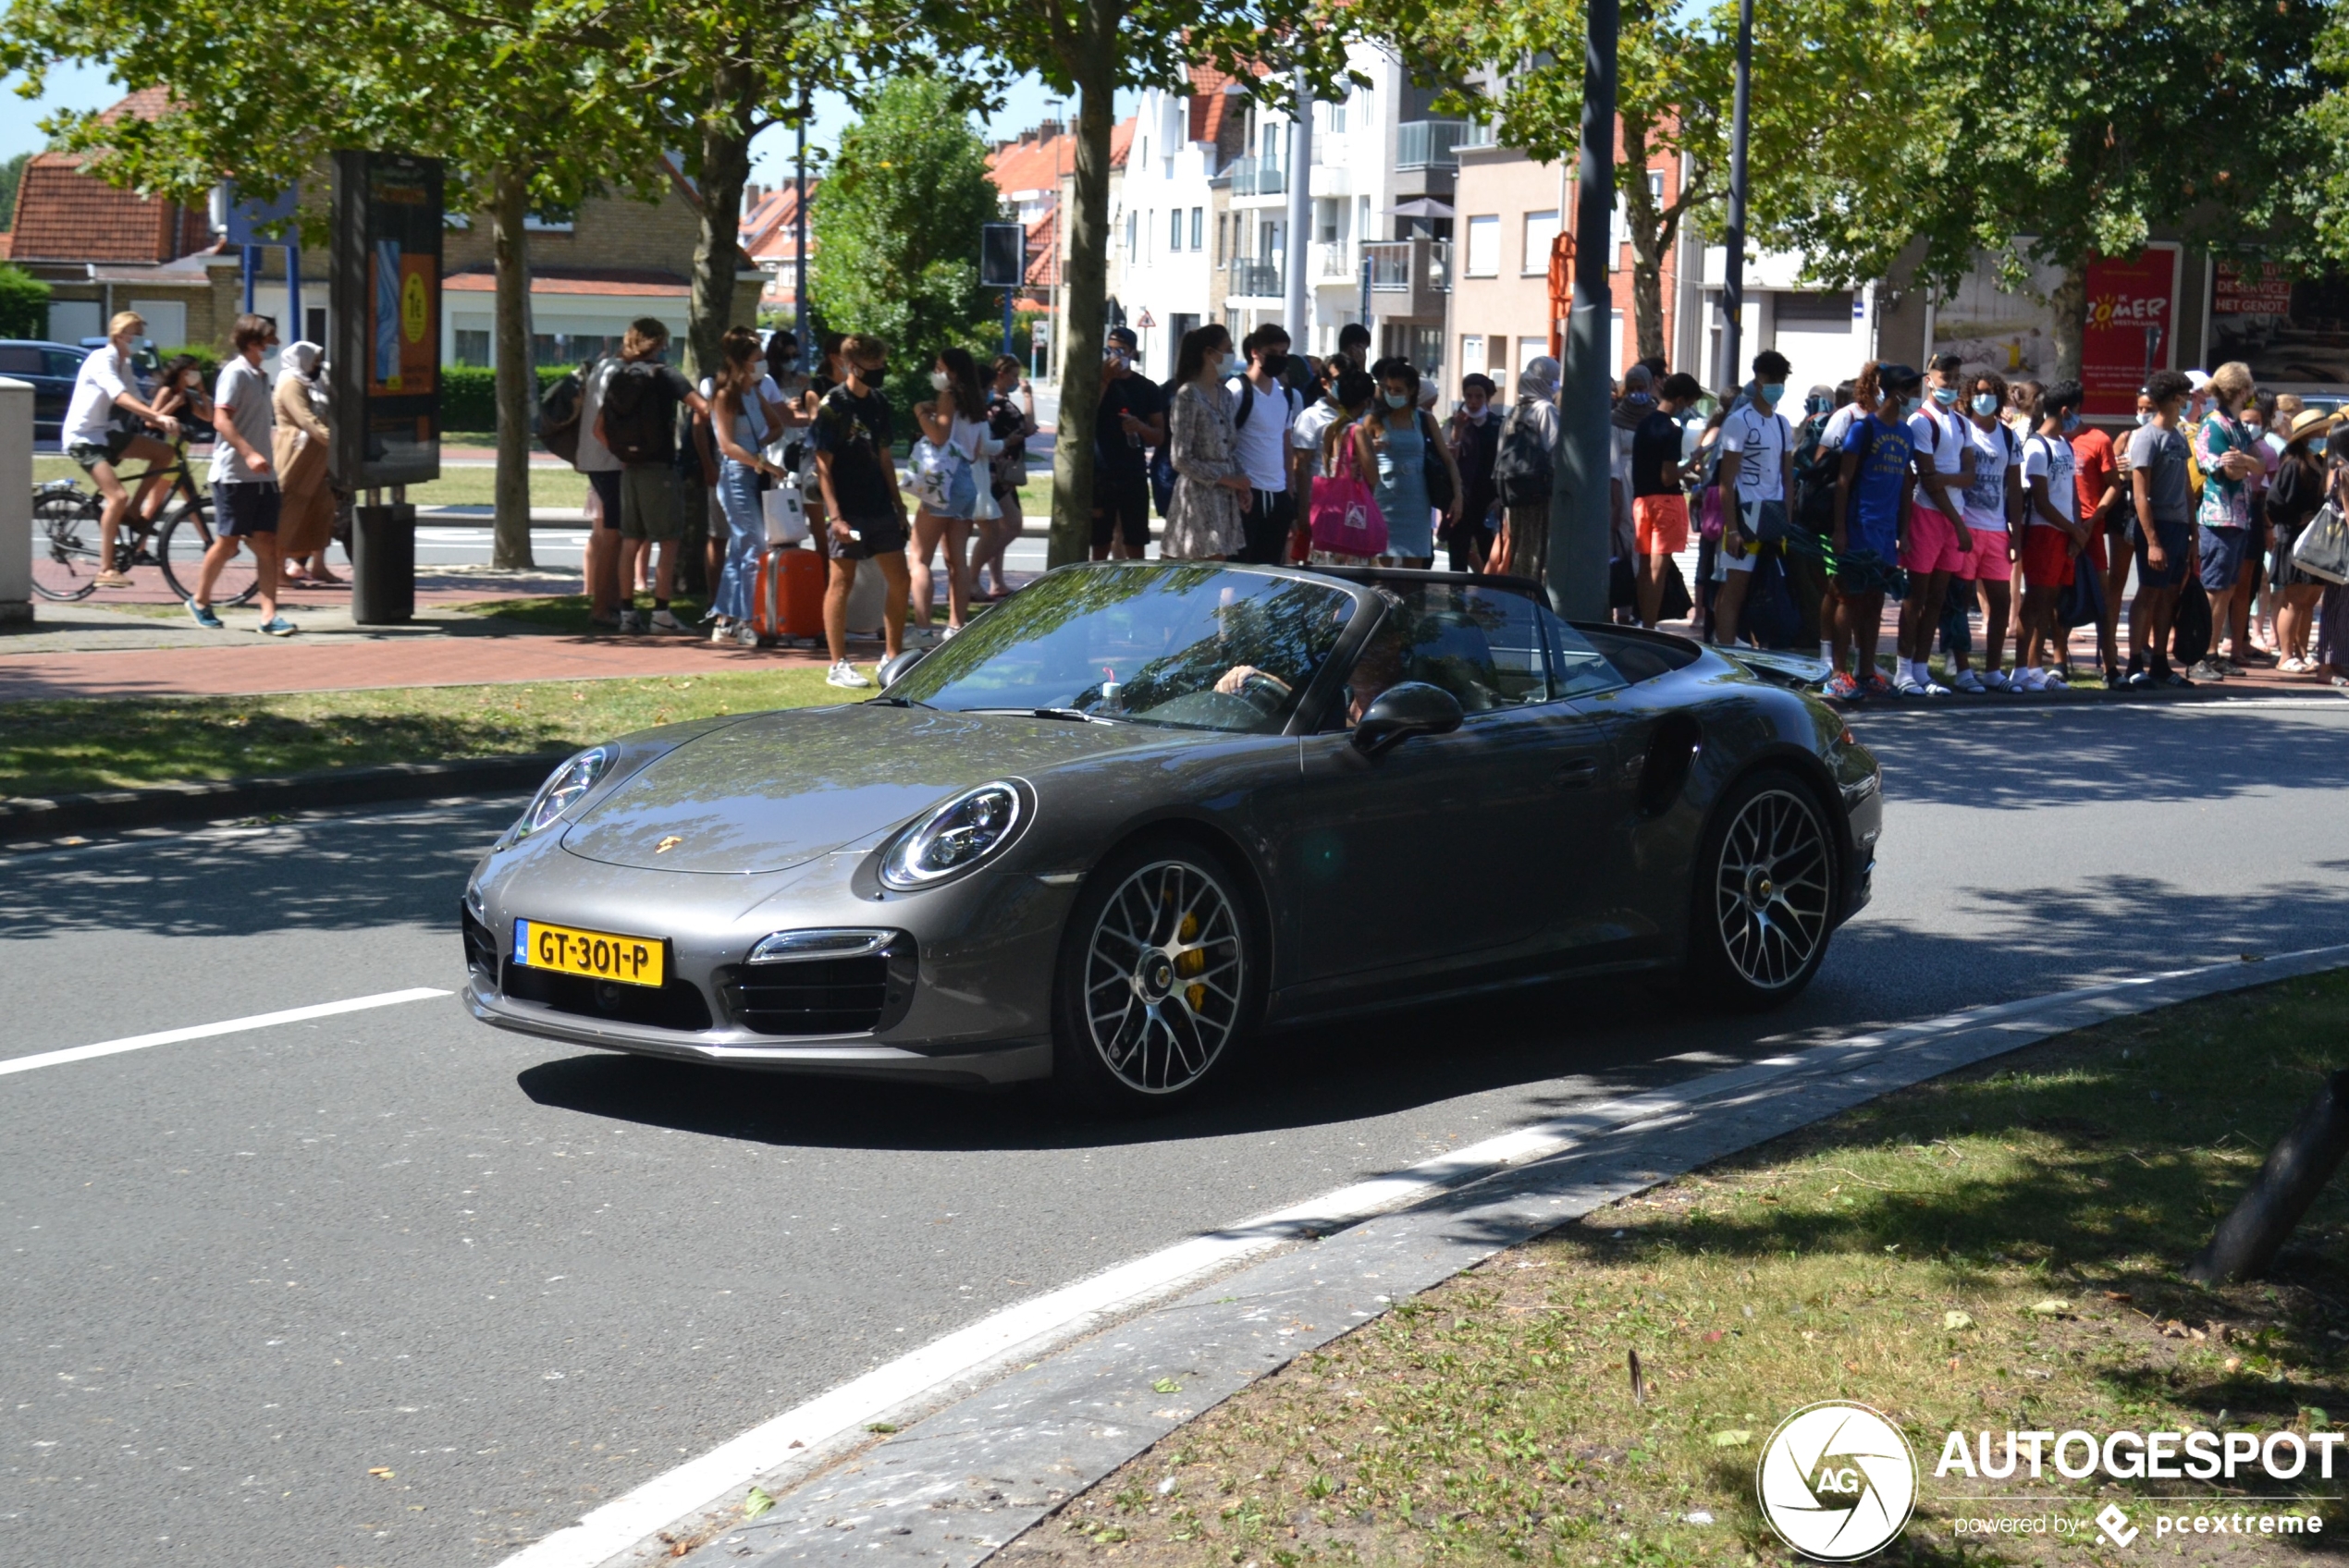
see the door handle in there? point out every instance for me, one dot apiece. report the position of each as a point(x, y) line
point(1577, 774)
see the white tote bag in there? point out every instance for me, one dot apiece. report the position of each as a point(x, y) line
point(786, 512)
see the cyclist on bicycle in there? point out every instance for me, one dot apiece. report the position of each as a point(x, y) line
point(97, 442)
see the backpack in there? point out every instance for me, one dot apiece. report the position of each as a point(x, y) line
point(1523, 471)
point(639, 415)
point(559, 412)
point(1247, 404)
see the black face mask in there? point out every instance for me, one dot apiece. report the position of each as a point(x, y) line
point(1274, 363)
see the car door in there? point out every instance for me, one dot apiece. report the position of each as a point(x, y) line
point(1623, 887)
point(1447, 852)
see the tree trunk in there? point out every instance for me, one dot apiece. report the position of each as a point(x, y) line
point(517, 372)
point(2295, 1171)
point(1649, 237)
point(2070, 304)
point(1095, 71)
point(725, 166)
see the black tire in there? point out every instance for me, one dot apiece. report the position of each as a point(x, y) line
point(65, 547)
point(1144, 1033)
point(1763, 903)
point(181, 539)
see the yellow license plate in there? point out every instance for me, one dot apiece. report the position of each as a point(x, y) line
point(599, 955)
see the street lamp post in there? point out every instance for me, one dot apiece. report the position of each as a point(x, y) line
point(1300, 215)
point(1732, 371)
point(799, 242)
point(1579, 520)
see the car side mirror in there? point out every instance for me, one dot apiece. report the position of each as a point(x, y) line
point(1400, 712)
point(896, 670)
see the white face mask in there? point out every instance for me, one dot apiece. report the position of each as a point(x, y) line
point(938, 380)
point(1234, 366)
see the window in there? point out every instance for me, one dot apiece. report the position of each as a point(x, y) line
point(1199, 227)
point(1541, 229)
point(1130, 221)
point(1472, 351)
point(473, 348)
point(1484, 246)
point(1222, 236)
point(1485, 646)
point(1175, 229)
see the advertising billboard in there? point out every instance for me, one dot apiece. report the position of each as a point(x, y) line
point(386, 353)
point(2132, 311)
point(2292, 333)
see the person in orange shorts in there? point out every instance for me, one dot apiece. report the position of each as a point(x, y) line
point(1659, 511)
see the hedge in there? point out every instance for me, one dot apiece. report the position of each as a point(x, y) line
point(469, 395)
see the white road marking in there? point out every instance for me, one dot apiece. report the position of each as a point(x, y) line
point(1032, 1328)
point(206, 1031)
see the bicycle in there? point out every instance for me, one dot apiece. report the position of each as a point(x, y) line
point(66, 519)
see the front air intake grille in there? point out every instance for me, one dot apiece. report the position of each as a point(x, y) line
point(481, 949)
point(822, 995)
point(677, 1005)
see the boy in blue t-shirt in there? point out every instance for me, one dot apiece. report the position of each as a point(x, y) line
point(1870, 503)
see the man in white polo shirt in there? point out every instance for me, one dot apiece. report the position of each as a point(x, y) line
point(1262, 410)
point(1757, 462)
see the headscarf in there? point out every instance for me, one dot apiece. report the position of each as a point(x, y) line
point(1541, 373)
point(302, 360)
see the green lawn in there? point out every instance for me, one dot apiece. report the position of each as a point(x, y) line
point(49, 748)
point(1998, 1249)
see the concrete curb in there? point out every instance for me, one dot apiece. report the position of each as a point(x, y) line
point(989, 1456)
point(106, 811)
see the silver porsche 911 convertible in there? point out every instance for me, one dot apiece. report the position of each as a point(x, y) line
point(1144, 813)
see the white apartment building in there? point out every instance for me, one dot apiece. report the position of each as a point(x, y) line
point(1203, 229)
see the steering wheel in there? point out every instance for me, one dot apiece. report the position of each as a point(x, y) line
point(1261, 693)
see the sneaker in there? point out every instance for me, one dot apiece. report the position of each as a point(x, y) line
point(664, 621)
point(744, 635)
point(721, 631)
point(277, 626)
point(205, 618)
point(110, 580)
point(2206, 670)
point(1973, 685)
point(631, 621)
point(1841, 687)
point(602, 623)
point(844, 674)
point(1879, 686)
point(2226, 667)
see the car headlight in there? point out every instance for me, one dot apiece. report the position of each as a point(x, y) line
point(954, 837)
point(560, 792)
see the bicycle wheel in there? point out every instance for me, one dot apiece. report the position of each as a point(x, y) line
point(181, 539)
point(65, 544)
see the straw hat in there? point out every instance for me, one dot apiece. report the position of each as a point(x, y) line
point(2310, 420)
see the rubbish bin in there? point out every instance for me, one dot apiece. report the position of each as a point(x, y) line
point(15, 501)
point(383, 565)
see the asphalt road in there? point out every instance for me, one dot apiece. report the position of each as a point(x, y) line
point(242, 1272)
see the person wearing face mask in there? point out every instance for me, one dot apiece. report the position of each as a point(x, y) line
point(1937, 543)
point(2096, 474)
point(864, 509)
point(1391, 451)
point(1756, 476)
point(1992, 498)
point(2055, 538)
point(1132, 420)
point(955, 422)
point(1522, 545)
point(2293, 499)
point(1873, 490)
point(1262, 410)
point(1211, 488)
point(2227, 453)
point(1475, 439)
point(1659, 510)
point(2163, 530)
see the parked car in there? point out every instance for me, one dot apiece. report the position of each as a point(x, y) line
point(50, 367)
point(1145, 810)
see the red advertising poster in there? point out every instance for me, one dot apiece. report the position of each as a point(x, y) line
point(2132, 328)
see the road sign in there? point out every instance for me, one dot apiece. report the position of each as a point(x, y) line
point(1145, 321)
point(1002, 255)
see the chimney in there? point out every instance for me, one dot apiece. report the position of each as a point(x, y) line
point(753, 193)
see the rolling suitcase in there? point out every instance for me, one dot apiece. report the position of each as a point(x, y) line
point(787, 597)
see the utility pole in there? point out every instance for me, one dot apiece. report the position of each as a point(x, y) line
point(1300, 215)
point(799, 243)
point(1732, 372)
point(1580, 516)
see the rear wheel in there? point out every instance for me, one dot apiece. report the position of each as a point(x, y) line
point(181, 539)
point(65, 546)
point(1160, 979)
point(1764, 903)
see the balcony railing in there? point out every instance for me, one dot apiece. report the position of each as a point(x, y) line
point(1403, 265)
point(1258, 177)
point(1253, 279)
point(1337, 259)
point(1429, 144)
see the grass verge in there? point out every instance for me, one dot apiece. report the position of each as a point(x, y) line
point(48, 748)
point(1998, 1249)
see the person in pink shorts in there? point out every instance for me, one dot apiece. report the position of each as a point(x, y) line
point(1938, 543)
point(1993, 500)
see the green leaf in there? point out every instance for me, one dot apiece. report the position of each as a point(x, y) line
point(757, 1502)
point(1166, 1386)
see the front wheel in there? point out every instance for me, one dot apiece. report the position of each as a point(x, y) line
point(181, 539)
point(1160, 979)
point(1764, 903)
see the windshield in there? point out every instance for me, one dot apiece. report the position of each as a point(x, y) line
point(1196, 645)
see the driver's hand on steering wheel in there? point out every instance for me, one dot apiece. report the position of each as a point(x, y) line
point(1234, 680)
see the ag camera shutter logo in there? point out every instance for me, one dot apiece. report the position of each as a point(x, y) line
point(1837, 1481)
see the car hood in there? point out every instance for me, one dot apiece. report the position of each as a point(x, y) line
point(777, 790)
